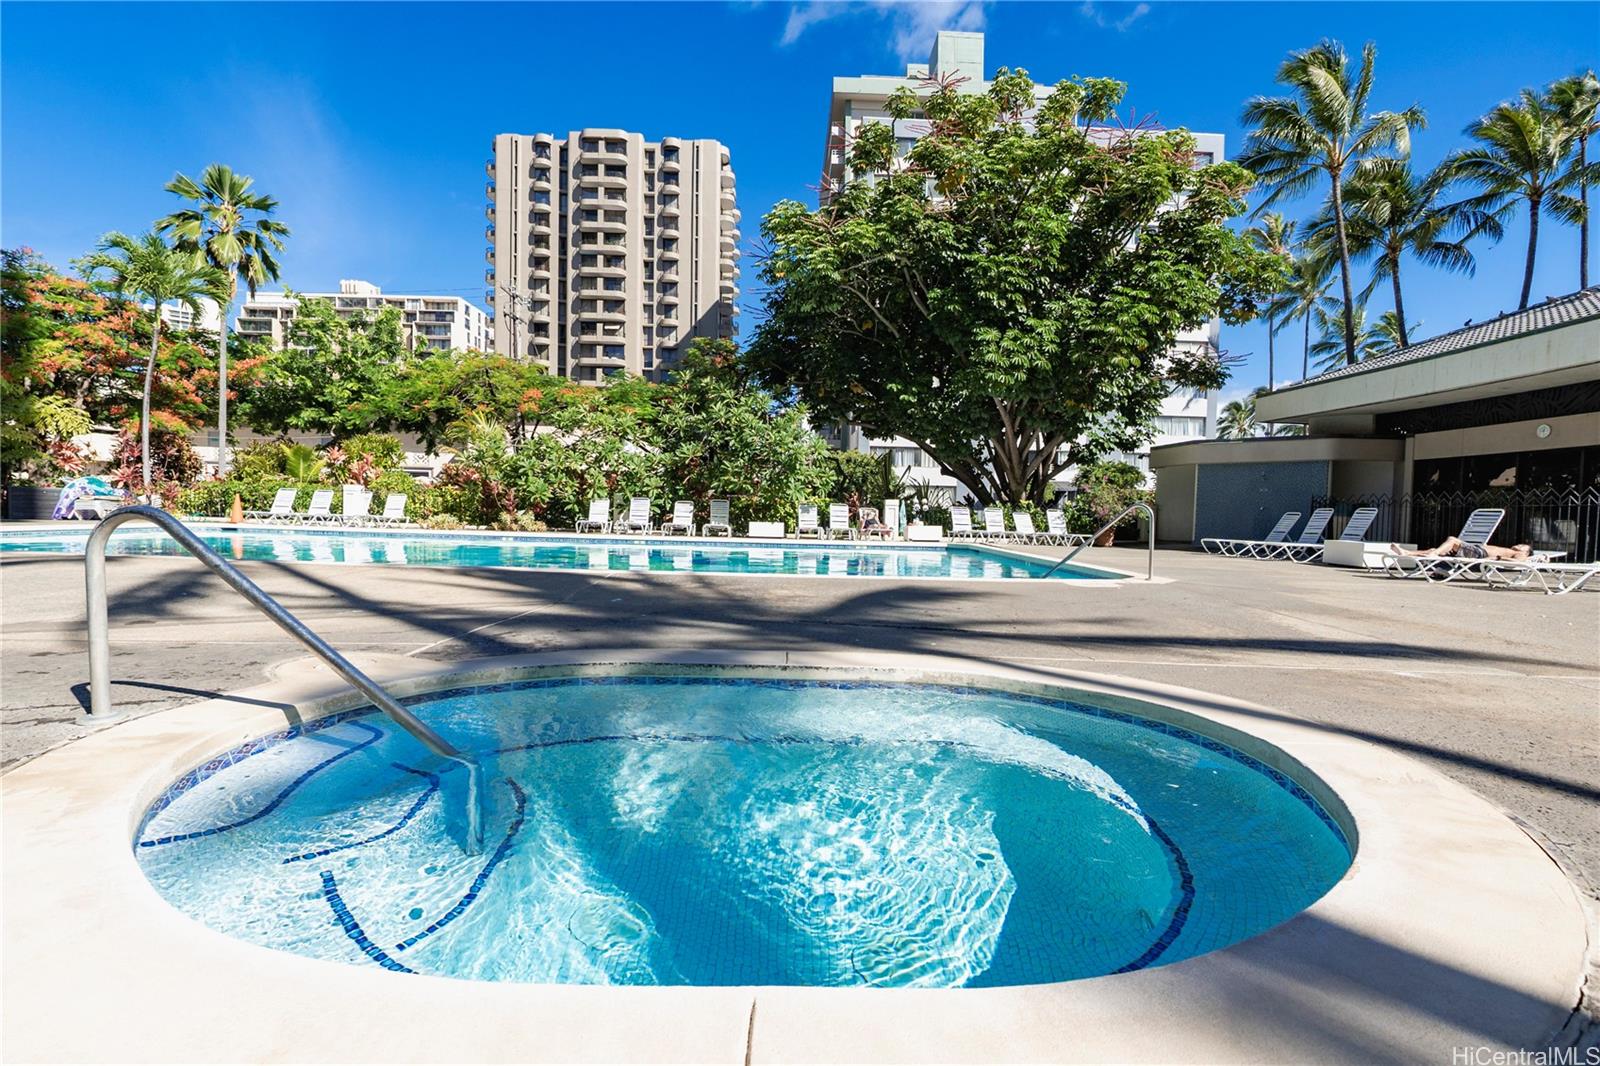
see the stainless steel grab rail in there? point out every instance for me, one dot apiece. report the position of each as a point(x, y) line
point(1150, 559)
point(94, 573)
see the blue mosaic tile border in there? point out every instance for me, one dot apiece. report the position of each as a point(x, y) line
point(352, 928)
point(1180, 913)
point(473, 890)
point(405, 819)
point(374, 734)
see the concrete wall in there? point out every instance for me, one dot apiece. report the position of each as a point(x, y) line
point(1364, 478)
point(1175, 503)
point(1566, 431)
point(1245, 499)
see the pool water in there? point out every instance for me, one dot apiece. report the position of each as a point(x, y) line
point(839, 558)
point(710, 830)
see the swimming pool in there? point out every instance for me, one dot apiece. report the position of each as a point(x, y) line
point(705, 829)
point(551, 552)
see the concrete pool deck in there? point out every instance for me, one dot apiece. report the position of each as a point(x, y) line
point(1499, 690)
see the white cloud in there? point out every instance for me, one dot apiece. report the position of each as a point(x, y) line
point(1096, 14)
point(913, 23)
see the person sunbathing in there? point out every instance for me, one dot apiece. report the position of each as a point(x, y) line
point(1458, 548)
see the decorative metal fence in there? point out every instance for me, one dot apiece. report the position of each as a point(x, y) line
point(1549, 521)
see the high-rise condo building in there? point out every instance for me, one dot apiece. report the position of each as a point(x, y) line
point(439, 322)
point(609, 252)
point(860, 100)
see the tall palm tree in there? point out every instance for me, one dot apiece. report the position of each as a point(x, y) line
point(1393, 211)
point(229, 226)
point(1577, 102)
point(1522, 149)
point(1323, 130)
point(1238, 419)
point(148, 267)
point(1274, 236)
point(1310, 276)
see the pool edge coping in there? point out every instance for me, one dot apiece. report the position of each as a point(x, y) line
point(86, 798)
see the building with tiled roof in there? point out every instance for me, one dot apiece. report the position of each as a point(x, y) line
point(1504, 412)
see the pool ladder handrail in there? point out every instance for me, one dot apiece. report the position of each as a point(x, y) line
point(100, 707)
point(1150, 558)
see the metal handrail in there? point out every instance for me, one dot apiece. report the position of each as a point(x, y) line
point(1150, 560)
point(94, 572)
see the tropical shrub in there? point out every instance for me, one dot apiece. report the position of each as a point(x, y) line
point(302, 463)
point(259, 460)
point(173, 459)
point(1106, 489)
point(382, 449)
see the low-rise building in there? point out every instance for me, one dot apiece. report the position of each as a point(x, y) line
point(1504, 413)
point(437, 322)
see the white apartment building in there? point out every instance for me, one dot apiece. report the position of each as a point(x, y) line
point(609, 252)
point(860, 100)
point(437, 322)
point(182, 317)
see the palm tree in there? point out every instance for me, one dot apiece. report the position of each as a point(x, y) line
point(1273, 236)
point(1374, 339)
point(1238, 419)
point(229, 227)
point(147, 266)
point(1310, 276)
point(1324, 129)
point(1577, 102)
point(1392, 211)
point(1522, 149)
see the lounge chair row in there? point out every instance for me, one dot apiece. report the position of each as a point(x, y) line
point(1543, 570)
point(683, 521)
point(357, 508)
point(994, 527)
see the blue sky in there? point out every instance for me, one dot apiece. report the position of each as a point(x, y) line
point(371, 122)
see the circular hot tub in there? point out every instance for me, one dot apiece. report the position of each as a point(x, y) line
point(712, 827)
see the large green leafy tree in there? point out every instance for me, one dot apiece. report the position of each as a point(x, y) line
point(1520, 159)
point(150, 268)
point(718, 434)
point(435, 395)
point(1321, 131)
point(1577, 103)
point(1008, 293)
point(1393, 212)
point(231, 227)
point(330, 375)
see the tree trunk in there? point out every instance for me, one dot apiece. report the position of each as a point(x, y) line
point(1305, 349)
point(1583, 226)
point(149, 379)
point(1272, 379)
point(1344, 272)
point(222, 379)
point(1399, 304)
point(1533, 250)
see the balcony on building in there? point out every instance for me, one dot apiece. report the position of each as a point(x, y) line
point(488, 167)
point(727, 177)
point(488, 190)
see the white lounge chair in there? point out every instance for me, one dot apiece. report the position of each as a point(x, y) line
point(1056, 522)
point(599, 520)
point(356, 505)
point(994, 524)
point(320, 509)
point(719, 524)
point(1240, 546)
point(960, 523)
point(1556, 579)
point(839, 521)
point(1478, 528)
point(682, 520)
point(1026, 533)
point(1361, 520)
point(282, 506)
point(638, 520)
point(806, 522)
point(1310, 537)
point(393, 513)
